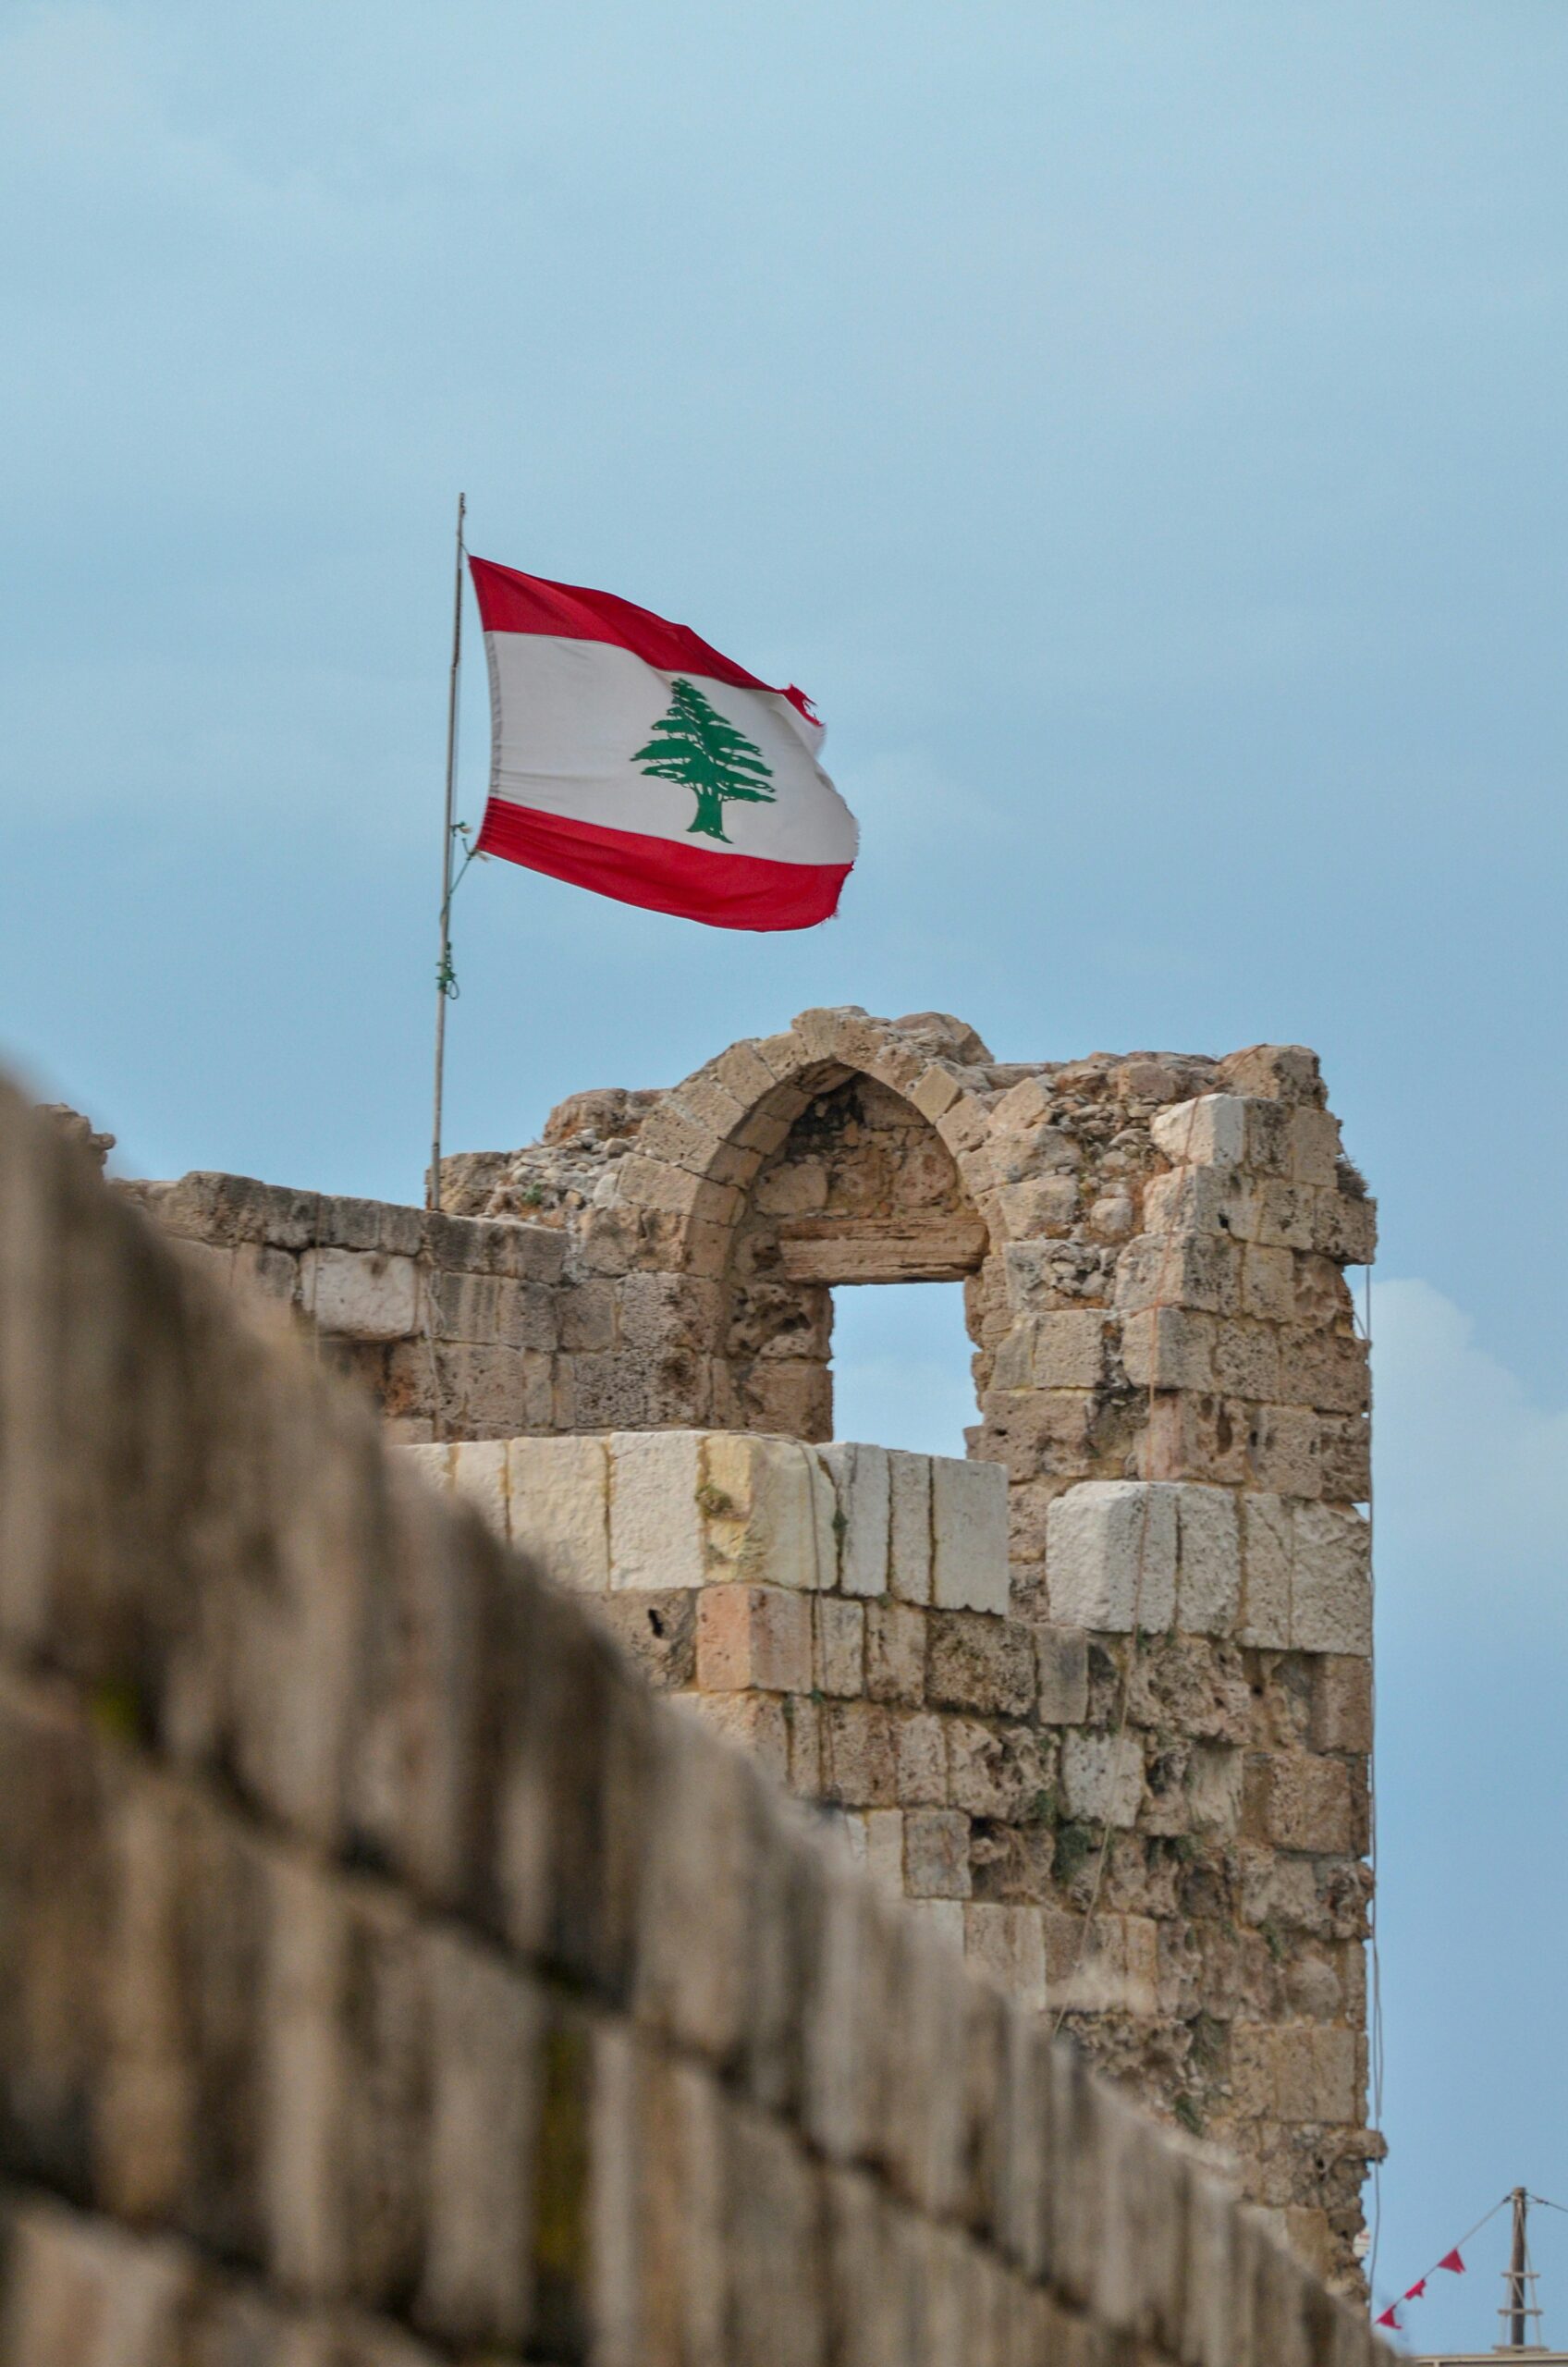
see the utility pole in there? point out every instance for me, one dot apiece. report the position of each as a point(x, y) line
point(1517, 2271)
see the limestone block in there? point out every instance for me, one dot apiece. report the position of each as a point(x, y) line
point(1268, 1555)
point(755, 1723)
point(1341, 1705)
point(1068, 1349)
point(769, 1507)
point(1061, 1657)
point(1170, 1347)
point(1345, 1229)
point(979, 1662)
point(935, 1094)
point(1318, 2073)
point(1215, 1788)
point(1008, 1943)
point(1102, 1777)
point(484, 1392)
point(1314, 1139)
point(269, 1273)
point(920, 1760)
point(969, 1535)
point(364, 1294)
point(1202, 1201)
point(1307, 1804)
point(839, 1665)
point(1331, 1595)
point(885, 1851)
point(655, 1538)
point(1247, 1361)
point(1210, 1131)
point(558, 1504)
point(1209, 1583)
point(858, 1753)
point(754, 1639)
point(658, 1628)
point(802, 1720)
point(82, 2292)
point(861, 1476)
point(493, 1310)
point(587, 1315)
point(1345, 1446)
point(937, 1854)
point(1269, 1283)
point(486, 2045)
point(1285, 1449)
point(940, 1919)
point(1172, 1269)
point(849, 1964)
point(1328, 1370)
point(1110, 1555)
point(909, 1551)
point(1046, 1204)
point(895, 1652)
point(479, 1473)
point(433, 1462)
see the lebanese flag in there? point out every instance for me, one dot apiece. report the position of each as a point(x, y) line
point(629, 757)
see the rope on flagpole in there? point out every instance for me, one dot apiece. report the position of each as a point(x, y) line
point(445, 983)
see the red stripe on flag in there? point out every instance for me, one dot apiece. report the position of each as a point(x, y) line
point(511, 602)
point(663, 876)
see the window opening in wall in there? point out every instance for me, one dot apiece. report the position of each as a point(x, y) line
point(900, 1367)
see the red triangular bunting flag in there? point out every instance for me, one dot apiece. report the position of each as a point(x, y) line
point(1389, 2319)
point(1452, 2260)
point(1417, 2289)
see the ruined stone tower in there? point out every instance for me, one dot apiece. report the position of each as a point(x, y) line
point(1096, 1701)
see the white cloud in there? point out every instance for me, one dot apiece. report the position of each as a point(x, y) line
point(1471, 1470)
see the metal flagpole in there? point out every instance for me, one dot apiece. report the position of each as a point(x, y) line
point(444, 968)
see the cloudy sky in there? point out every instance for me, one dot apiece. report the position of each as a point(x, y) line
point(1141, 430)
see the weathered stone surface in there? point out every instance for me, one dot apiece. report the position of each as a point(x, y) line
point(655, 1538)
point(1111, 1560)
point(1102, 1777)
point(558, 1493)
point(861, 1476)
point(969, 1566)
point(1153, 1250)
point(364, 1293)
point(754, 1639)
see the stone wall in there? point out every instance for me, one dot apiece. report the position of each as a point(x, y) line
point(1189, 1904)
point(455, 1327)
point(1166, 1821)
point(387, 1977)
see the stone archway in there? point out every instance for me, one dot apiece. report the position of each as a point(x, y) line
point(842, 1151)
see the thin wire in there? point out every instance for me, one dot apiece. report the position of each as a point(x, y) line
point(1376, 2033)
point(1458, 2244)
point(1547, 2205)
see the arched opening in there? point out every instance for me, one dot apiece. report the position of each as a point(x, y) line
point(860, 1198)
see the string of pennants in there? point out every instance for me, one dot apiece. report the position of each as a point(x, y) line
point(1451, 2260)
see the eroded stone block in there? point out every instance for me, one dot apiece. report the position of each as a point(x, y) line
point(655, 1536)
point(559, 1509)
point(969, 1535)
point(1111, 1554)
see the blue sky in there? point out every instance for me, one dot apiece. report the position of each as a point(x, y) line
point(1139, 428)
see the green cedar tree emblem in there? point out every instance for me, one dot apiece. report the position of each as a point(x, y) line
point(700, 748)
